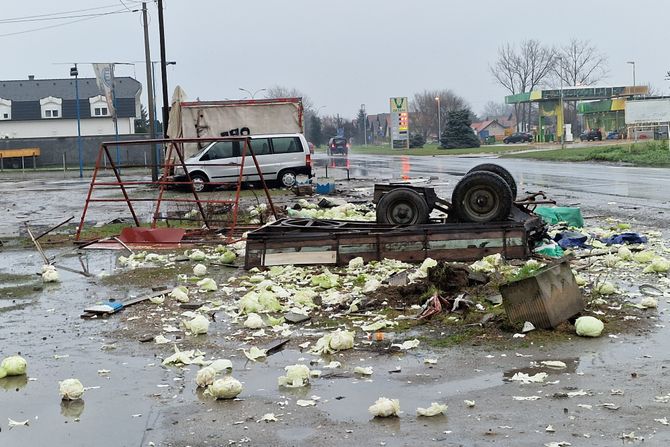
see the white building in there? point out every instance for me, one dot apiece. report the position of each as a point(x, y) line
point(36, 108)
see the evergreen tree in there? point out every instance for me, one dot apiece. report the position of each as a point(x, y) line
point(416, 140)
point(457, 131)
point(142, 123)
point(360, 123)
point(315, 131)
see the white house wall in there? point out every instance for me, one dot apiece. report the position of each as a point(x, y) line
point(64, 127)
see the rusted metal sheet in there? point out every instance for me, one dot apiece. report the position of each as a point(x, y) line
point(301, 241)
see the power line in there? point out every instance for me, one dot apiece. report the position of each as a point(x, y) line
point(11, 19)
point(43, 19)
point(64, 24)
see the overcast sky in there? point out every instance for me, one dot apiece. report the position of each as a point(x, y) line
point(341, 53)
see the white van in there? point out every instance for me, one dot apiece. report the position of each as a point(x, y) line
point(281, 157)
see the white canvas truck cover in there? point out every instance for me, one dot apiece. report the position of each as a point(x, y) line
point(231, 118)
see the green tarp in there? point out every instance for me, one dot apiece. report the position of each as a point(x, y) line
point(554, 215)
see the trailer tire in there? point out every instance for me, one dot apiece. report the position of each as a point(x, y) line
point(482, 196)
point(502, 172)
point(402, 206)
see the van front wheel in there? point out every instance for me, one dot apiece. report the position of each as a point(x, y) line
point(287, 178)
point(200, 182)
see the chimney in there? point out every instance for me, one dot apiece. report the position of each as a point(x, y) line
point(31, 77)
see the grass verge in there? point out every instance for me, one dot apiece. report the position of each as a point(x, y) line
point(654, 153)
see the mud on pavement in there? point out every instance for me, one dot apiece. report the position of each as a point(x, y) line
point(502, 386)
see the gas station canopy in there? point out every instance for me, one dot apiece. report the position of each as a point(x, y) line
point(576, 94)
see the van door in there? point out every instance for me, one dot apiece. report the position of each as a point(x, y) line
point(288, 153)
point(261, 148)
point(221, 162)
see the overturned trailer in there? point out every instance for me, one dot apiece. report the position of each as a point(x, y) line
point(482, 219)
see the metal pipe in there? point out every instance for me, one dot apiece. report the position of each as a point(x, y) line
point(166, 101)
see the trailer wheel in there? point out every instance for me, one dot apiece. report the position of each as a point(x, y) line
point(402, 206)
point(502, 172)
point(482, 196)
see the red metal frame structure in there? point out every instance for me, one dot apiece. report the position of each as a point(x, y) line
point(174, 152)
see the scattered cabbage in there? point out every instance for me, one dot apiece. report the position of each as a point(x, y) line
point(296, 376)
point(205, 377)
point(49, 273)
point(433, 410)
point(610, 260)
point(304, 298)
point(658, 265)
point(649, 302)
point(487, 264)
point(255, 353)
point(200, 270)
point(14, 365)
point(254, 321)
point(3, 373)
point(367, 371)
point(249, 303)
point(338, 340)
point(221, 365)
point(227, 257)
point(225, 388)
point(409, 344)
point(580, 280)
point(589, 326)
point(71, 389)
point(197, 255)
point(198, 325)
point(160, 299)
point(268, 300)
point(644, 257)
point(207, 284)
point(605, 288)
point(625, 254)
point(180, 293)
point(356, 263)
point(385, 407)
point(325, 280)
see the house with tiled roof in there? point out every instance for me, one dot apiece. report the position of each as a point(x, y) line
point(489, 128)
point(34, 108)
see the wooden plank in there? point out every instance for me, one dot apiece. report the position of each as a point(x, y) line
point(301, 258)
point(26, 152)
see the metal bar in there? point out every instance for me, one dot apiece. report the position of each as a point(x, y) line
point(265, 186)
point(180, 154)
point(124, 245)
point(123, 189)
point(53, 228)
point(37, 244)
point(161, 189)
point(239, 187)
point(90, 192)
point(147, 199)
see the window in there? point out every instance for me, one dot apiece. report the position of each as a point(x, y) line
point(222, 149)
point(98, 106)
point(5, 109)
point(282, 145)
point(260, 146)
point(51, 107)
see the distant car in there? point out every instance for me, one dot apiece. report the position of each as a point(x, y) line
point(338, 146)
point(613, 135)
point(519, 137)
point(591, 135)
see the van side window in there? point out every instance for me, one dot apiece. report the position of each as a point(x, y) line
point(260, 146)
point(282, 145)
point(222, 149)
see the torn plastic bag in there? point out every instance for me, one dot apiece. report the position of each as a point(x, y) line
point(570, 239)
point(625, 238)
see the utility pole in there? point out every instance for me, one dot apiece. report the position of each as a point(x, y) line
point(166, 101)
point(74, 72)
point(155, 157)
point(365, 126)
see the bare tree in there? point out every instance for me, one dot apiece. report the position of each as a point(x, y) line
point(278, 91)
point(494, 109)
point(580, 63)
point(522, 69)
point(423, 108)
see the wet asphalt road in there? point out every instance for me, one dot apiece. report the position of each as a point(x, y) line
point(140, 402)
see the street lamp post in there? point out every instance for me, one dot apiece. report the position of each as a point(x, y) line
point(74, 72)
point(633, 64)
point(439, 123)
point(365, 126)
point(252, 95)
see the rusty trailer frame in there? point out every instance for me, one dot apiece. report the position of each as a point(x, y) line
point(307, 241)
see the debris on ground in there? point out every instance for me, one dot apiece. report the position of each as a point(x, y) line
point(71, 389)
point(385, 407)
